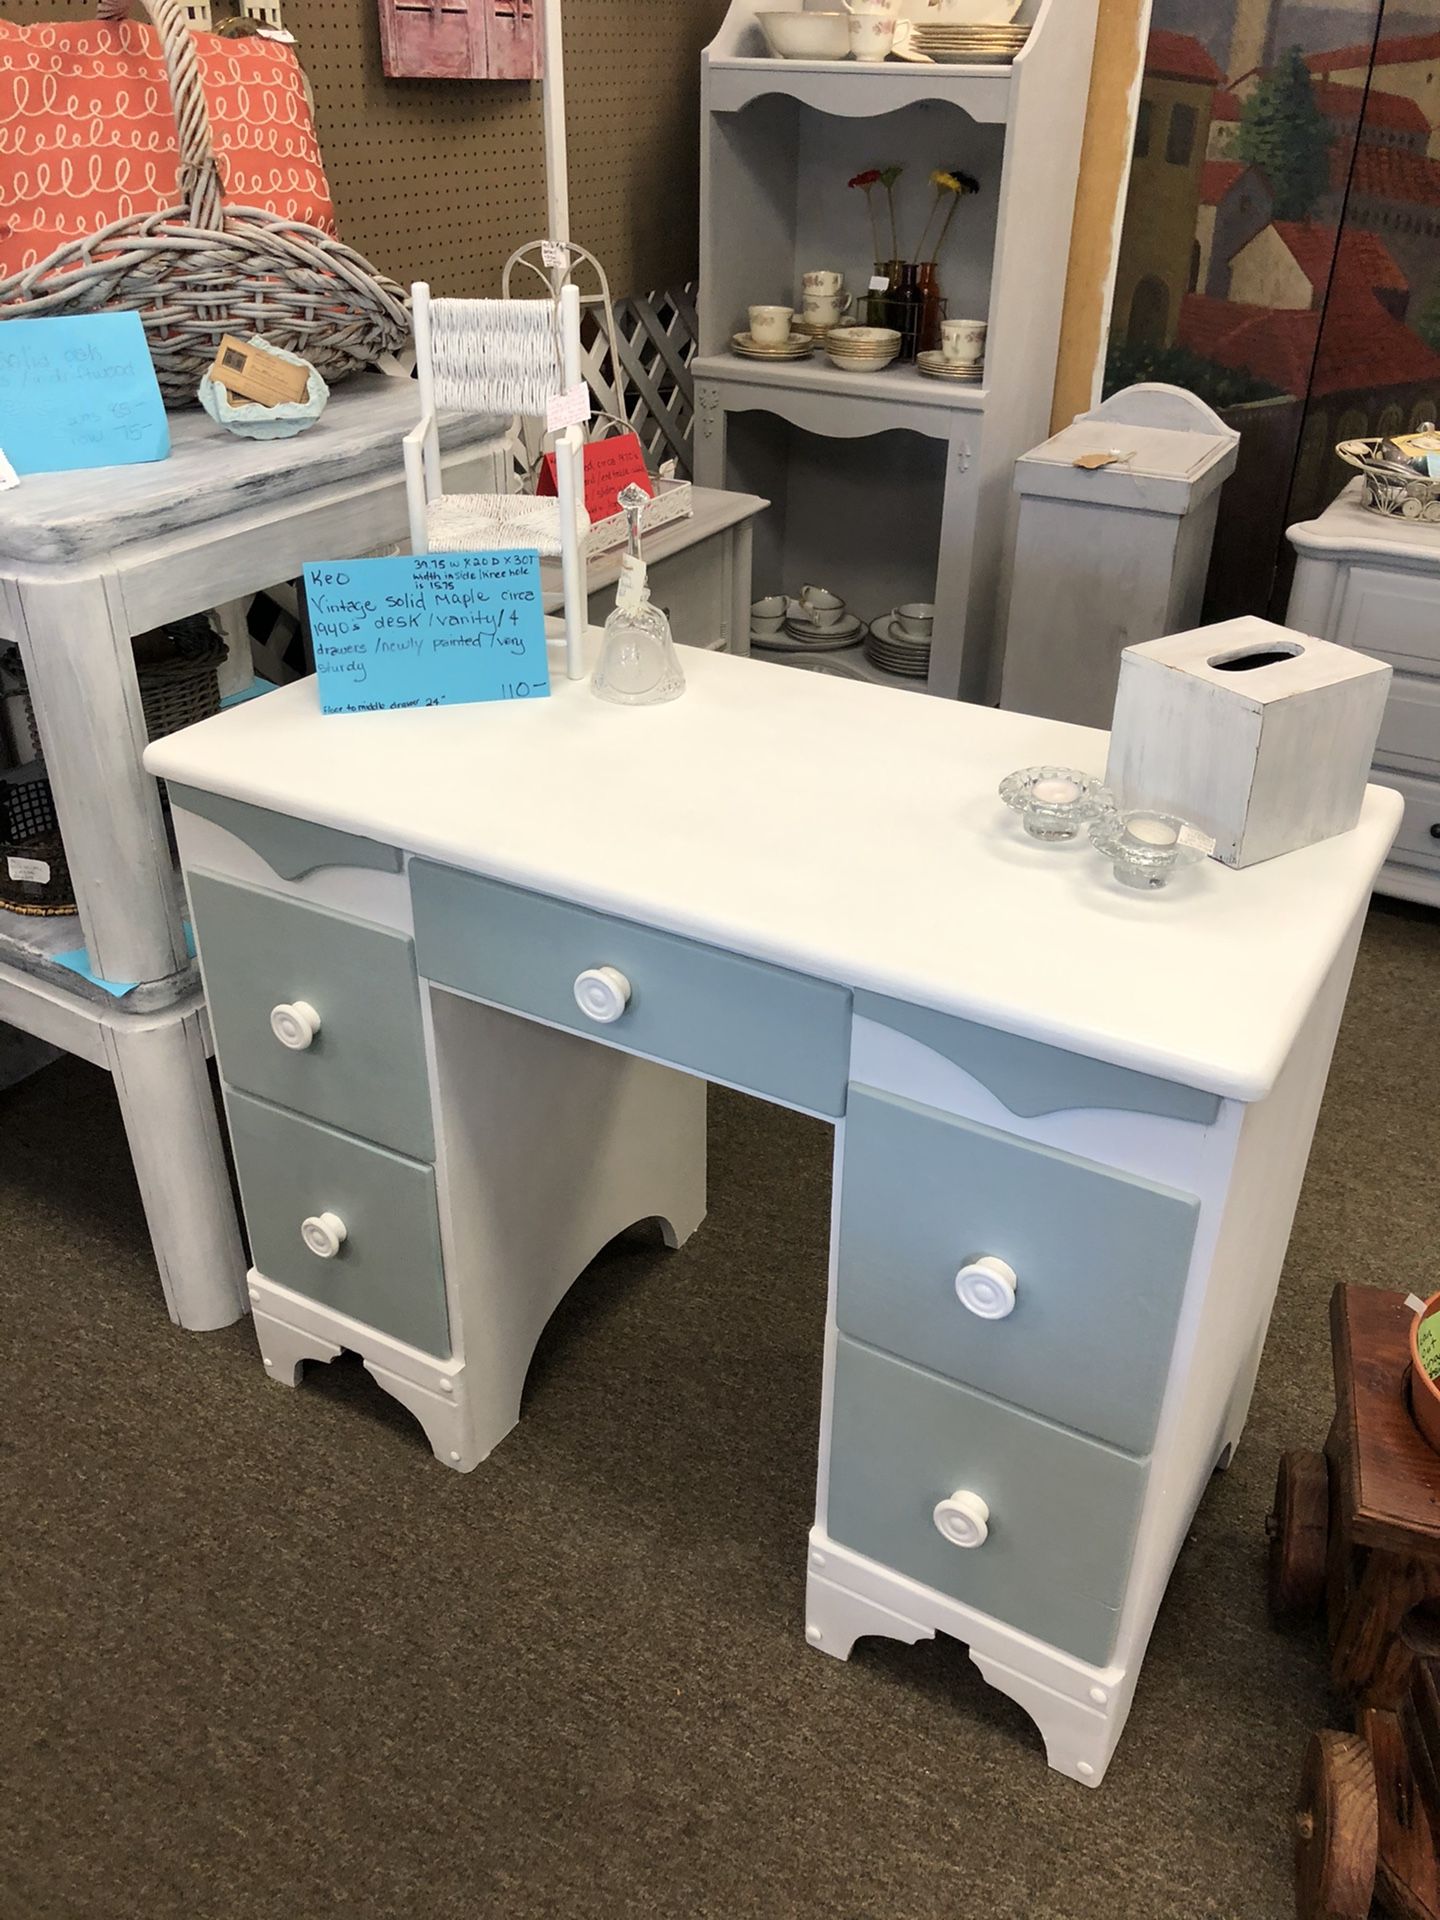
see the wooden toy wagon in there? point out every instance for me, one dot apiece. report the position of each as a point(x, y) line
point(1357, 1528)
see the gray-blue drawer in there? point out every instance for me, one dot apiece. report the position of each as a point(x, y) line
point(1063, 1510)
point(365, 1069)
point(1100, 1259)
point(774, 1032)
point(388, 1272)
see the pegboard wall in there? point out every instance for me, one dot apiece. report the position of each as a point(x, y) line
point(440, 179)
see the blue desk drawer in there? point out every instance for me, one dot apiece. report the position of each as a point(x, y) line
point(1100, 1260)
point(364, 1069)
point(763, 1028)
point(386, 1270)
point(1063, 1510)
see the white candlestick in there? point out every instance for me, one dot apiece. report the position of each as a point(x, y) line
point(1055, 793)
point(1152, 833)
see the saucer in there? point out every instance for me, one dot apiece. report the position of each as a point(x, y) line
point(795, 348)
point(937, 367)
point(844, 633)
point(886, 646)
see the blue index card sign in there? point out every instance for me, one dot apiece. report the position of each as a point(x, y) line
point(79, 391)
point(427, 630)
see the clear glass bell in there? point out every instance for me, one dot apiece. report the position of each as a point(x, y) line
point(638, 664)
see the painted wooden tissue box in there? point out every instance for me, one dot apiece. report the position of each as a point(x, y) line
point(1259, 736)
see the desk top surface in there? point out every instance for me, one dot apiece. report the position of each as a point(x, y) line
point(848, 831)
point(64, 519)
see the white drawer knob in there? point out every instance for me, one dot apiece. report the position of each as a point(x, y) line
point(323, 1234)
point(987, 1287)
point(294, 1024)
point(964, 1519)
point(603, 993)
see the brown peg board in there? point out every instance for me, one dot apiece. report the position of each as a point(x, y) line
point(440, 180)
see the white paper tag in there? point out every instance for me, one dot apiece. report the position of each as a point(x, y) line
point(554, 253)
point(22, 869)
point(630, 588)
point(667, 469)
point(1415, 1303)
point(8, 475)
point(569, 409)
point(879, 283)
point(276, 33)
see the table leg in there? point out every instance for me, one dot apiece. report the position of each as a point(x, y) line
point(168, 1106)
point(80, 672)
point(737, 638)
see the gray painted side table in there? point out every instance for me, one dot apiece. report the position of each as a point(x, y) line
point(1373, 582)
point(87, 560)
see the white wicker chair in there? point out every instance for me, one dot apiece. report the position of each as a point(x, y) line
point(487, 522)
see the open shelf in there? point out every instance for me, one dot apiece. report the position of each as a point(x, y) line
point(900, 384)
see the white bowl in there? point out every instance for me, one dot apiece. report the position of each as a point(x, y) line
point(865, 339)
point(852, 364)
point(806, 36)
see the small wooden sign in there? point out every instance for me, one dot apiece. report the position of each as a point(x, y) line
point(255, 373)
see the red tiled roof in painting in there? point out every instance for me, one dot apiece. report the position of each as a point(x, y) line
point(1365, 260)
point(1226, 106)
point(1389, 173)
point(1388, 112)
point(1362, 346)
point(1389, 53)
point(1216, 179)
point(1178, 56)
point(1275, 344)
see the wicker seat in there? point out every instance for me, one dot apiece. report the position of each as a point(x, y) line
point(492, 522)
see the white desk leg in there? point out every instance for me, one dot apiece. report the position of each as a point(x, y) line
point(737, 637)
point(80, 670)
point(168, 1107)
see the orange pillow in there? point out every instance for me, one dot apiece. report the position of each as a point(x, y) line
point(87, 131)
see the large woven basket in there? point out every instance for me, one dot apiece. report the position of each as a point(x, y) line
point(200, 270)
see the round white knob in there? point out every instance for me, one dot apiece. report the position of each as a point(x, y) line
point(294, 1024)
point(964, 1519)
point(987, 1287)
point(603, 993)
point(323, 1234)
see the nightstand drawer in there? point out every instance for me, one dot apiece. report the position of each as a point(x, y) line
point(274, 969)
point(352, 1226)
point(1058, 1512)
point(938, 1214)
point(1391, 615)
point(763, 1028)
point(1410, 727)
point(1418, 841)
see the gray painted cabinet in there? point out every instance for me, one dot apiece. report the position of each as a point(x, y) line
point(1100, 1258)
point(365, 1068)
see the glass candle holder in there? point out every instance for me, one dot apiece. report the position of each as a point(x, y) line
point(1145, 847)
point(1054, 802)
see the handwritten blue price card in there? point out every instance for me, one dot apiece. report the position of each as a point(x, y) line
point(427, 630)
point(79, 392)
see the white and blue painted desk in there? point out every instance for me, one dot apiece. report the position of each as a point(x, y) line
point(1071, 1124)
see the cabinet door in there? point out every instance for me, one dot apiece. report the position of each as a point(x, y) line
point(1100, 1260)
point(460, 39)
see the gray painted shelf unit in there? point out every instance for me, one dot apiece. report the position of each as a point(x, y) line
point(887, 486)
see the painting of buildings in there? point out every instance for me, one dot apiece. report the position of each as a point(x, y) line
point(1281, 248)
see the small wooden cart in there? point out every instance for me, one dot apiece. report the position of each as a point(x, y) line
point(1357, 1528)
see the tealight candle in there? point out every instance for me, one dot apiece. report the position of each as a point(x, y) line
point(1055, 792)
point(1153, 833)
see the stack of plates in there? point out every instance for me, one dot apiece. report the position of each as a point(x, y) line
point(795, 348)
point(862, 349)
point(887, 647)
point(938, 367)
point(801, 635)
point(956, 45)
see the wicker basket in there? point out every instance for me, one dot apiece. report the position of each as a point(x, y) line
point(177, 667)
point(34, 876)
point(200, 270)
point(1388, 489)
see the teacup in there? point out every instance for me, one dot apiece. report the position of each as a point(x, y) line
point(826, 309)
point(768, 615)
point(821, 607)
point(916, 619)
point(822, 280)
point(872, 35)
point(890, 7)
point(770, 326)
point(962, 341)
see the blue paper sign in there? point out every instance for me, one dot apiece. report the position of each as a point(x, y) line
point(79, 392)
point(427, 630)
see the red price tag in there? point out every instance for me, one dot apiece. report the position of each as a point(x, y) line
point(609, 465)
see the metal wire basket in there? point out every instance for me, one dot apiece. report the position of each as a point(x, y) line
point(1391, 489)
point(34, 874)
point(198, 271)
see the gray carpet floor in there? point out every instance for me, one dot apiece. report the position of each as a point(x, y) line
point(265, 1660)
